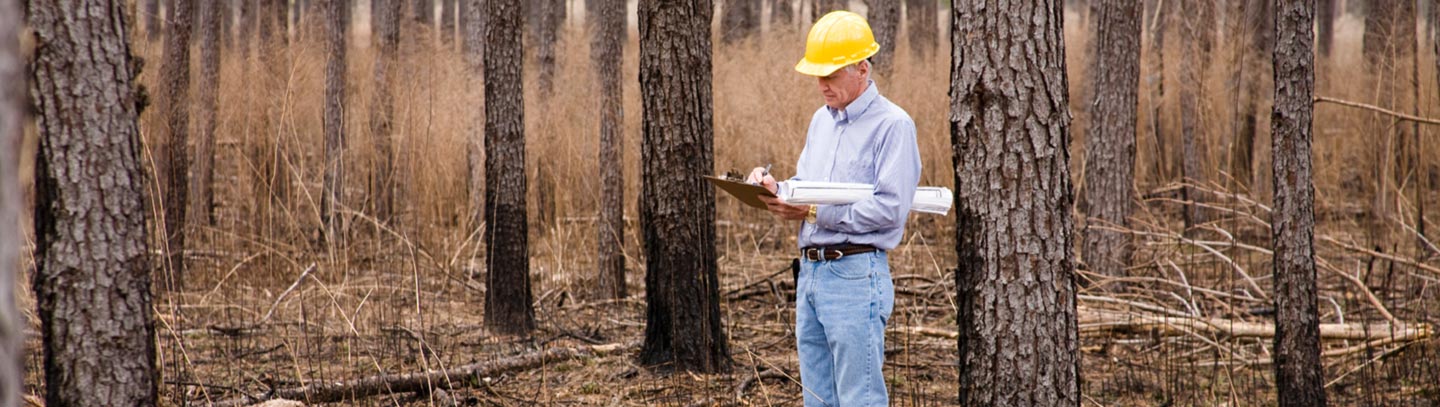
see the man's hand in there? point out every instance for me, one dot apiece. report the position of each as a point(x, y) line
point(777, 207)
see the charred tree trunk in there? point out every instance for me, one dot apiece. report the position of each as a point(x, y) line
point(201, 191)
point(885, 22)
point(1196, 32)
point(266, 17)
point(742, 20)
point(683, 327)
point(332, 189)
point(176, 89)
point(992, 115)
point(382, 116)
point(1299, 376)
point(92, 274)
point(607, 52)
point(227, 23)
point(924, 34)
point(12, 130)
point(447, 21)
point(423, 11)
point(782, 14)
point(507, 259)
point(1326, 12)
point(1110, 140)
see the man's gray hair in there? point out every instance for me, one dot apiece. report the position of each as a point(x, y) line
point(856, 66)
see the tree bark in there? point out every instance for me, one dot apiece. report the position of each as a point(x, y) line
point(507, 260)
point(12, 131)
point(92, 275)
point(741, 21)
point(607, 53)
point(924, 34)
point(885, 22)
point(153, 23)
point(266, 16)
point(1015, 286)
point(1299, 376)
point(247, 27)
point(1326, 13)
point(474, 50)
point(201, 192)
point(386, 15)
point(1197, 34)
point(547, 23)
point(1110, 139)
point(176, 90)
point(447, 21)
point(227, 23)
point(683, 326)
point(823, 7)
point(1156, 78)
point(423, 11)
point(782, 14)
point(1256, 24)
point(332, 188)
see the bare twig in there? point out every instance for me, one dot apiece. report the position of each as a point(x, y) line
point(287, 291)
point(1392, 113)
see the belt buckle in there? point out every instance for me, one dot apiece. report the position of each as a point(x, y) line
point(818, 255)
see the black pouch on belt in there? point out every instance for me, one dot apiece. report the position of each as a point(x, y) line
point(795, 271)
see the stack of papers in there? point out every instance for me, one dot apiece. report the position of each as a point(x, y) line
point(932, 200)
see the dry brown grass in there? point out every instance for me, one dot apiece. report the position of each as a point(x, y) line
point(409, 298)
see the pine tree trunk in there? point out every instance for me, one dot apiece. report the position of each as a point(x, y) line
point(782, 14)
point(1299, 375)
point(176, 90)
point(92, 288)
point(826, 6)
point(607, 52)
point(424, 12)
point(201, 190)
point(1326, 13)
point(474, 50)
point(677, 214)
point(153, 25)
point(332, 188)
point(885, 22)
point(13, 105)
point(266, 16)
point(1156, 79)
point(247, 27)
point(227, 23)
point(547, 23)
point(924, 36)
point(382, 116)
point(282, 23)
point(1257, 25)
point(1015, 288)
point(1110, 139)
point(447, 21)
point(507, 298)
point(1195, 32)
point(742, 20)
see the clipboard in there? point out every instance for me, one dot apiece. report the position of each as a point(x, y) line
point(746, 192)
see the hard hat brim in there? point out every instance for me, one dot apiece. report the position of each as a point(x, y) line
point(805, 66)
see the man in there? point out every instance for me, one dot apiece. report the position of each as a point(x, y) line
point(844, 294)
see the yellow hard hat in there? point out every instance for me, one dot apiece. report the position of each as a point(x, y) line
point(838, 39)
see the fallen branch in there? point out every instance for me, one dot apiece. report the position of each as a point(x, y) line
point(1389, 257)
point(458, 377)
point(286, 292)
point(1397, 115)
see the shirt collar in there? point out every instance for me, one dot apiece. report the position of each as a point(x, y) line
point(857, 107)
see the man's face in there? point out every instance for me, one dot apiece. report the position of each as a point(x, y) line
point(844, 85)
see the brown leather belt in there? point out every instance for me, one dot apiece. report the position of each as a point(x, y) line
point(817, 253)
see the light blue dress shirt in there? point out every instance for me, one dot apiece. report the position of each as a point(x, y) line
point(871, 141)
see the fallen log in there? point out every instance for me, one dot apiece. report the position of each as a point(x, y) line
point(1095, 322)
point(458, 377)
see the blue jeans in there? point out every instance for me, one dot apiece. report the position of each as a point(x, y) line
point(841, 307)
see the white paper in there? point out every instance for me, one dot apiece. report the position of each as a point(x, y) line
point(932, 200)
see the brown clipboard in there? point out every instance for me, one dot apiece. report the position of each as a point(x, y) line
point(746, 192)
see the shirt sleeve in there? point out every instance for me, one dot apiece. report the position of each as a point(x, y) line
point(897, 167)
